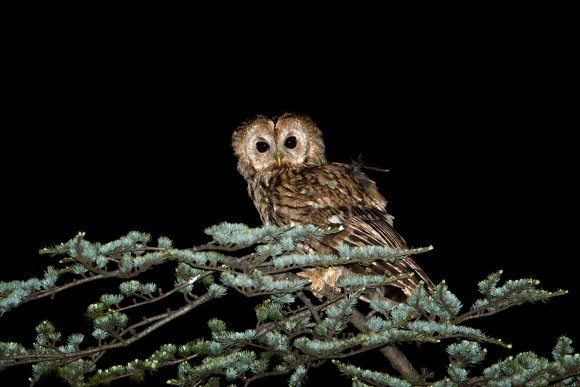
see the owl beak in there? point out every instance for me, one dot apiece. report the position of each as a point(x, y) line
point(278, 156)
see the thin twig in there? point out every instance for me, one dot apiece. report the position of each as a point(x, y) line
point(164, 295)
point(137, 372)
point(68, 357)
point(53, 291)
point(310, 306)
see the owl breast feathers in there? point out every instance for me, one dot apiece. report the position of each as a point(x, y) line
point(291, 182)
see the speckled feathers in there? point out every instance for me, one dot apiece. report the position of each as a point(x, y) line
point(291, 182)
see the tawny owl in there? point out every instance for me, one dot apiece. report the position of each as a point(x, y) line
point(291, 182)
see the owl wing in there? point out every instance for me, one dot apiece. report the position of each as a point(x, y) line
point(371, 227)
point(335, 195)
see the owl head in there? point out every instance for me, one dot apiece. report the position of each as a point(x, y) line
point(265, 144)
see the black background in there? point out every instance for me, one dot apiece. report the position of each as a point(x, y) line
point(108, 133)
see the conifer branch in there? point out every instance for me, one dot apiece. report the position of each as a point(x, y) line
point(294, 331)
point(396, 358)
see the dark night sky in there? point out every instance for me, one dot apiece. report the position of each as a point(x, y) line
point(481, 165)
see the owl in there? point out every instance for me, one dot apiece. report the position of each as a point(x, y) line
point(290, 182)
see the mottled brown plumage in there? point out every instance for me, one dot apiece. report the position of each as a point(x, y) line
point(291, 182)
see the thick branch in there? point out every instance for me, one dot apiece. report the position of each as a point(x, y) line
point(397, 358)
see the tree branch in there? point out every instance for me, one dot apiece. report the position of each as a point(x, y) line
point(397, 358)
point(68, 357)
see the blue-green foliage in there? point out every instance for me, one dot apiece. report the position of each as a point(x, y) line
point(259, 282)
point(563, 348)
point(362, 340)
point(164, 242)
point(237, 233)
point(75, 339)
point(291, 334)
point(135, 370)
point(445, 304)
point(216, 325)
point(271, 242)
point(269, 310)
point(240, 234)
point(520, 370)
point(376, 323)
point(47, 344)
point(457, 374)
point(283, 298)
point(466, 353)
point(217, 291)
point(111, 299)
point(277, 341)
point(337, 316)
point(377, 378)
point(388, 254)
point(513, 292)
point(110, 322)
point(298, 377)
point(382, 305)
point(367, 281)
point(15, 291)
point(50, 277)
point(446, 330)
point(134, 287)
point(186, 277)
point(85, 257)
point(206, 257)
point(300, 260)
point(402, 313)
point(234, 338)
point(46, 333)
point(232, 366)
point(488, 285)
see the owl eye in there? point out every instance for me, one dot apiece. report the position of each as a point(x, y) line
point(290, 142)
point(262, 146)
